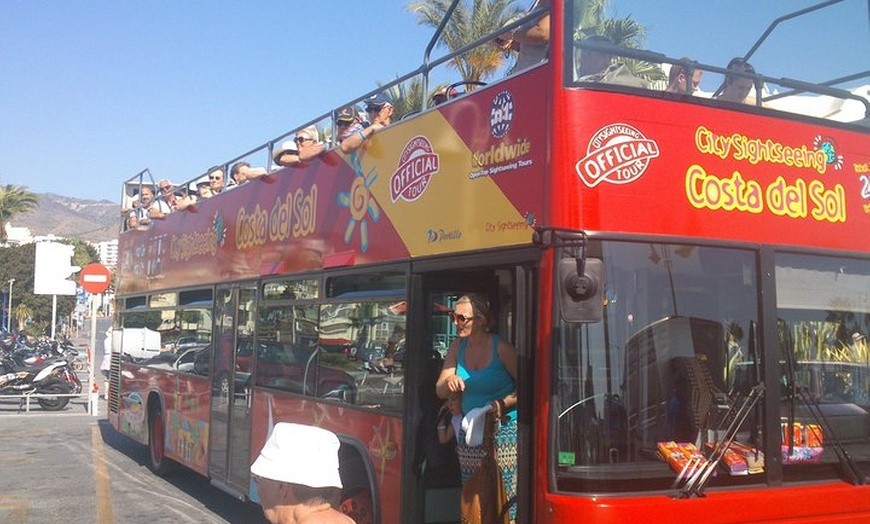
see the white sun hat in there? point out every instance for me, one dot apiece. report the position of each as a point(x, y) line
point(299, 454)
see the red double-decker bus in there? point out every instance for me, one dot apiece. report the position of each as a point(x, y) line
point(686, 279)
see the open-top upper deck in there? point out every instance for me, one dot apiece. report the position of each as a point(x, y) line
point(541, 146)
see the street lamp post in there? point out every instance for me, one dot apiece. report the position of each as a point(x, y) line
point(9, 309)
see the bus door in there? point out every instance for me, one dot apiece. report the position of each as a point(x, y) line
point(434, 294)
point(230, 431)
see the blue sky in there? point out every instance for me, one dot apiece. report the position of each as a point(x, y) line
point(93, 92)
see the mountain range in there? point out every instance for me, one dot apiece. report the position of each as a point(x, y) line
point(90, 220)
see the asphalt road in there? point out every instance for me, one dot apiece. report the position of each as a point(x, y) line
point(70, 467)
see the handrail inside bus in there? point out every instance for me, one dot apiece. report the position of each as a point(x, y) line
point(758, 79)
point(828, 83)
point(775, 23)
point(784, 18)
point(431, 45)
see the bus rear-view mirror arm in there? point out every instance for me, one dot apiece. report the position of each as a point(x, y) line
point(580, 279)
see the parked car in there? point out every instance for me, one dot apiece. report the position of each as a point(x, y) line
point(189, 360)
point(294, 368)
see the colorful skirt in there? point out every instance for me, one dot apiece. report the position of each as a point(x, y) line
point(470, 459)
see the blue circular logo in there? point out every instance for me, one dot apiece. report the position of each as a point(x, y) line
point(501, 114)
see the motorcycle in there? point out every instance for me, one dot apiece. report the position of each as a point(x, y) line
point(44, 351)
point(49, 378)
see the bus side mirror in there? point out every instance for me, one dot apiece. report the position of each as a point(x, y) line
point(580, 290)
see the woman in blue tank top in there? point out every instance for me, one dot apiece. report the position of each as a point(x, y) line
point(481, 368)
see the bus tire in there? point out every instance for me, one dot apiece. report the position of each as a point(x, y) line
point(158, 463)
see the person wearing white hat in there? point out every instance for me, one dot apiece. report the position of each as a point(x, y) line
point(297, 476)
point(287, 154)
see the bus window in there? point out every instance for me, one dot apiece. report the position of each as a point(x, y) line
point(363, 352)
point(824, 318)
point(658, 369)
point(285, 350)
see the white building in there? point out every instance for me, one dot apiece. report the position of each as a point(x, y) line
point(17, 236)
point(108, 251)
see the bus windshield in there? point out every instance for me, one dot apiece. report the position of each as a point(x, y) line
point(677, 353)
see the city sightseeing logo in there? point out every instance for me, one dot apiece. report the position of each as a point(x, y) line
point(827, 145)
point(617, 153)
point(501, 114)
point(416, 166)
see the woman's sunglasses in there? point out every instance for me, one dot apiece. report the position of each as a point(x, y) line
point(462, 319)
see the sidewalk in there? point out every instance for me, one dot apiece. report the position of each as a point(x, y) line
point(77, 406)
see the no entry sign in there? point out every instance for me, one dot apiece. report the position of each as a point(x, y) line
point(95, 278)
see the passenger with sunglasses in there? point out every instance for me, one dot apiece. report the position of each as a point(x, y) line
point(166, 193)
point(379, 108)
point(481, 368)
point(309, 144)
point(174, 201)
point(217, 180)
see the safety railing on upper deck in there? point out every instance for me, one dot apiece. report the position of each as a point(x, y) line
point(407, 93)
point(411, 95)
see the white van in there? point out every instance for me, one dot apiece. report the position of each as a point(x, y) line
point(137, 343)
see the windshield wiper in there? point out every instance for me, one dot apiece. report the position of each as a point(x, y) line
point(848, 464)
point(850, 467)
point(697, 481)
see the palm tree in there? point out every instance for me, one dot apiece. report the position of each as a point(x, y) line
point(623, 32)
point(22, 314)
point(14, 201)
point(588, 14)
point(468, 24)
point(407, 97)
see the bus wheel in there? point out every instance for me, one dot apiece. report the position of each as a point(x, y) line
point(159, 464)
point(356, 503)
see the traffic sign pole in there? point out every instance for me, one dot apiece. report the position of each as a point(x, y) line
point(95, 279)
point(94, 391)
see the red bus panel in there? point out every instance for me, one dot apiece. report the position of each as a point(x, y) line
point(647, 165)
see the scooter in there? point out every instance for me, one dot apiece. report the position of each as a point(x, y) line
point(48, 378)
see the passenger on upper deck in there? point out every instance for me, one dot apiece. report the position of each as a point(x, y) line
point(379, 108)
point(287, 154)
point(345, 118)
point(444, 94)
point(242, 172)
point(597, 66)
point(736, 88)
point(217, 180)
point(203, 189)
point(146, 208)
point(167, 194)
point(679, 74)
point(530, 40)
point(308, 141)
